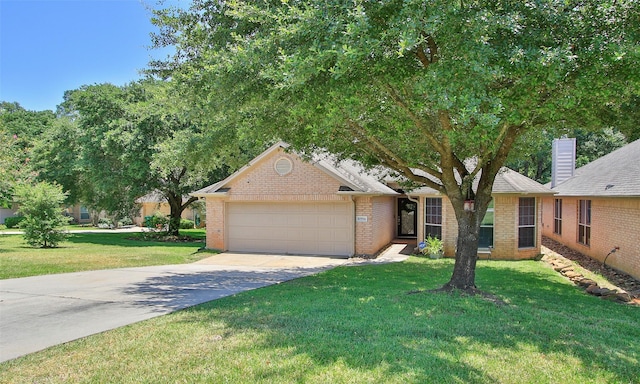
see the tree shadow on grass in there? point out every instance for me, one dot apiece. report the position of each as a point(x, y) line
point(363, 318)
point(124, 240)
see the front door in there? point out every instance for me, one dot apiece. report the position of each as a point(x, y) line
point(407, 218)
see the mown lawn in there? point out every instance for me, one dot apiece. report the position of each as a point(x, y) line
point(358, 324)
point(93, 251)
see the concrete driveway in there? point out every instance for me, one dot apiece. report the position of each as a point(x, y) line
point(42, 311)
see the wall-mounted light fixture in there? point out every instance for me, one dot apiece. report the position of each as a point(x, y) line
point(469, 205)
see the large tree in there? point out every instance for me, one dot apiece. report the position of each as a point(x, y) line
point(436, 90)
point(129, 141)
point(19, 130)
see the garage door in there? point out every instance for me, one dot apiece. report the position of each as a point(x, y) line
point(293, 228)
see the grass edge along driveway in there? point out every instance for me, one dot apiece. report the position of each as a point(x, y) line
point(359, 325)
point(94, 251)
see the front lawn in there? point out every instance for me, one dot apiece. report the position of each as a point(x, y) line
point(360, 325)
point(92, 251)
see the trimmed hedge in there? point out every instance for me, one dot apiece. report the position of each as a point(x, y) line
point(186, 224)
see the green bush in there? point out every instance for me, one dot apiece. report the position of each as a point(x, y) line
point(125, 221)
point(13, 222)
point(187, 224)
point(159, 220)
point(41, 206)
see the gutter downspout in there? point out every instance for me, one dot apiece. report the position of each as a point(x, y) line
point(353, 223)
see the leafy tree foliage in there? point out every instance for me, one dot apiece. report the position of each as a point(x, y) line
point(129, 141)
point(532, 154)
point(19, 129)
point(416, 86)
point(41, 206)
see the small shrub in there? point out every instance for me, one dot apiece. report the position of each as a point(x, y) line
point(125, 221)
point(13, 222)
point(433, 247)
point(186, 224)
point(159, 220)
point(41, 205)
point(105, 222)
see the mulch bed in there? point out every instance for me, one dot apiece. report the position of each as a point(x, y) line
point(621, 280)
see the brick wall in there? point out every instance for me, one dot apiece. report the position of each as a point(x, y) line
point(215, 223)
point(383, 217)
point(305, 183)
point(505, 230)
point(615, 222)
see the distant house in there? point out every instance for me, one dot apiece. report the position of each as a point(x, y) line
point(596, 209)
point(280, 203)
point(155, 202)
point(79, 214)
point(8, 212)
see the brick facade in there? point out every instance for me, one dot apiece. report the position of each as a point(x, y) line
point(615, 222)
point(505, 229)
point(305, 183)
point(374, 216)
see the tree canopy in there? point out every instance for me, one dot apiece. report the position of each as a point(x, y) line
point(416, 86)
point(123, 142)
point(19, 130)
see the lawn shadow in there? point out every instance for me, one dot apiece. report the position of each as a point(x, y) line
point(125, 240)
point(363, 317)
point(177, 291)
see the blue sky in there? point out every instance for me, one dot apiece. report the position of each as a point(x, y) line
point(50, 46)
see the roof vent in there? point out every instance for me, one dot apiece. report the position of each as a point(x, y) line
point(563, 161)
point(283, 166)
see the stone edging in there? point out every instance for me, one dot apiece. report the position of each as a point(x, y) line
point(566, 268)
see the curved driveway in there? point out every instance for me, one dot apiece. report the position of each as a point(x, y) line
point(42, 311)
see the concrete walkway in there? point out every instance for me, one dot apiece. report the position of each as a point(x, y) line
point(42, 311)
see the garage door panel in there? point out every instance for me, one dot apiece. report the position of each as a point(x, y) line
point(297, 228)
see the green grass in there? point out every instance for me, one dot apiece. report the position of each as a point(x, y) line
point(93, 251)
point(359, 325)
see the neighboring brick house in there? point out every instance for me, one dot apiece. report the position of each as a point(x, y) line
point(280, 203)
point(597, 210)
point(154, 202)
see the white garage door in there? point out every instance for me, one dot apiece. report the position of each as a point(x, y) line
point(293, 228)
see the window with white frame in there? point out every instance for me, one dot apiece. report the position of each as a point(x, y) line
point(84, 213)
point(526, 222)
point(485, 239)
point(584, 222)
point(557, 217)
point(433, 217)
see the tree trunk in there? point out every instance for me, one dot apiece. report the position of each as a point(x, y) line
point(177, 207)
point(464, 270)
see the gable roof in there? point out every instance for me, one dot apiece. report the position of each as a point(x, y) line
point(352, 176)
point(507, 181)
point(614, 175)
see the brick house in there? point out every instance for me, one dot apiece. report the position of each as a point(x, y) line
point(155, 202)
point(281, 203)
point(597, 210)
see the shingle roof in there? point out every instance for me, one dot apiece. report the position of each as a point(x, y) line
point(358, 180)
point(349, 173)
point(156, 197)
point(616, 175)
point(354, 175)
point(506, 181)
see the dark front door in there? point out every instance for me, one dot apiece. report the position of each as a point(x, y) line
point(407, 218)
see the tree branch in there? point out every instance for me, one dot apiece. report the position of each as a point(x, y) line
point(416, 120)
point(393, 160)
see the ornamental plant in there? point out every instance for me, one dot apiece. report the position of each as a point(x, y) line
point(41, 206)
